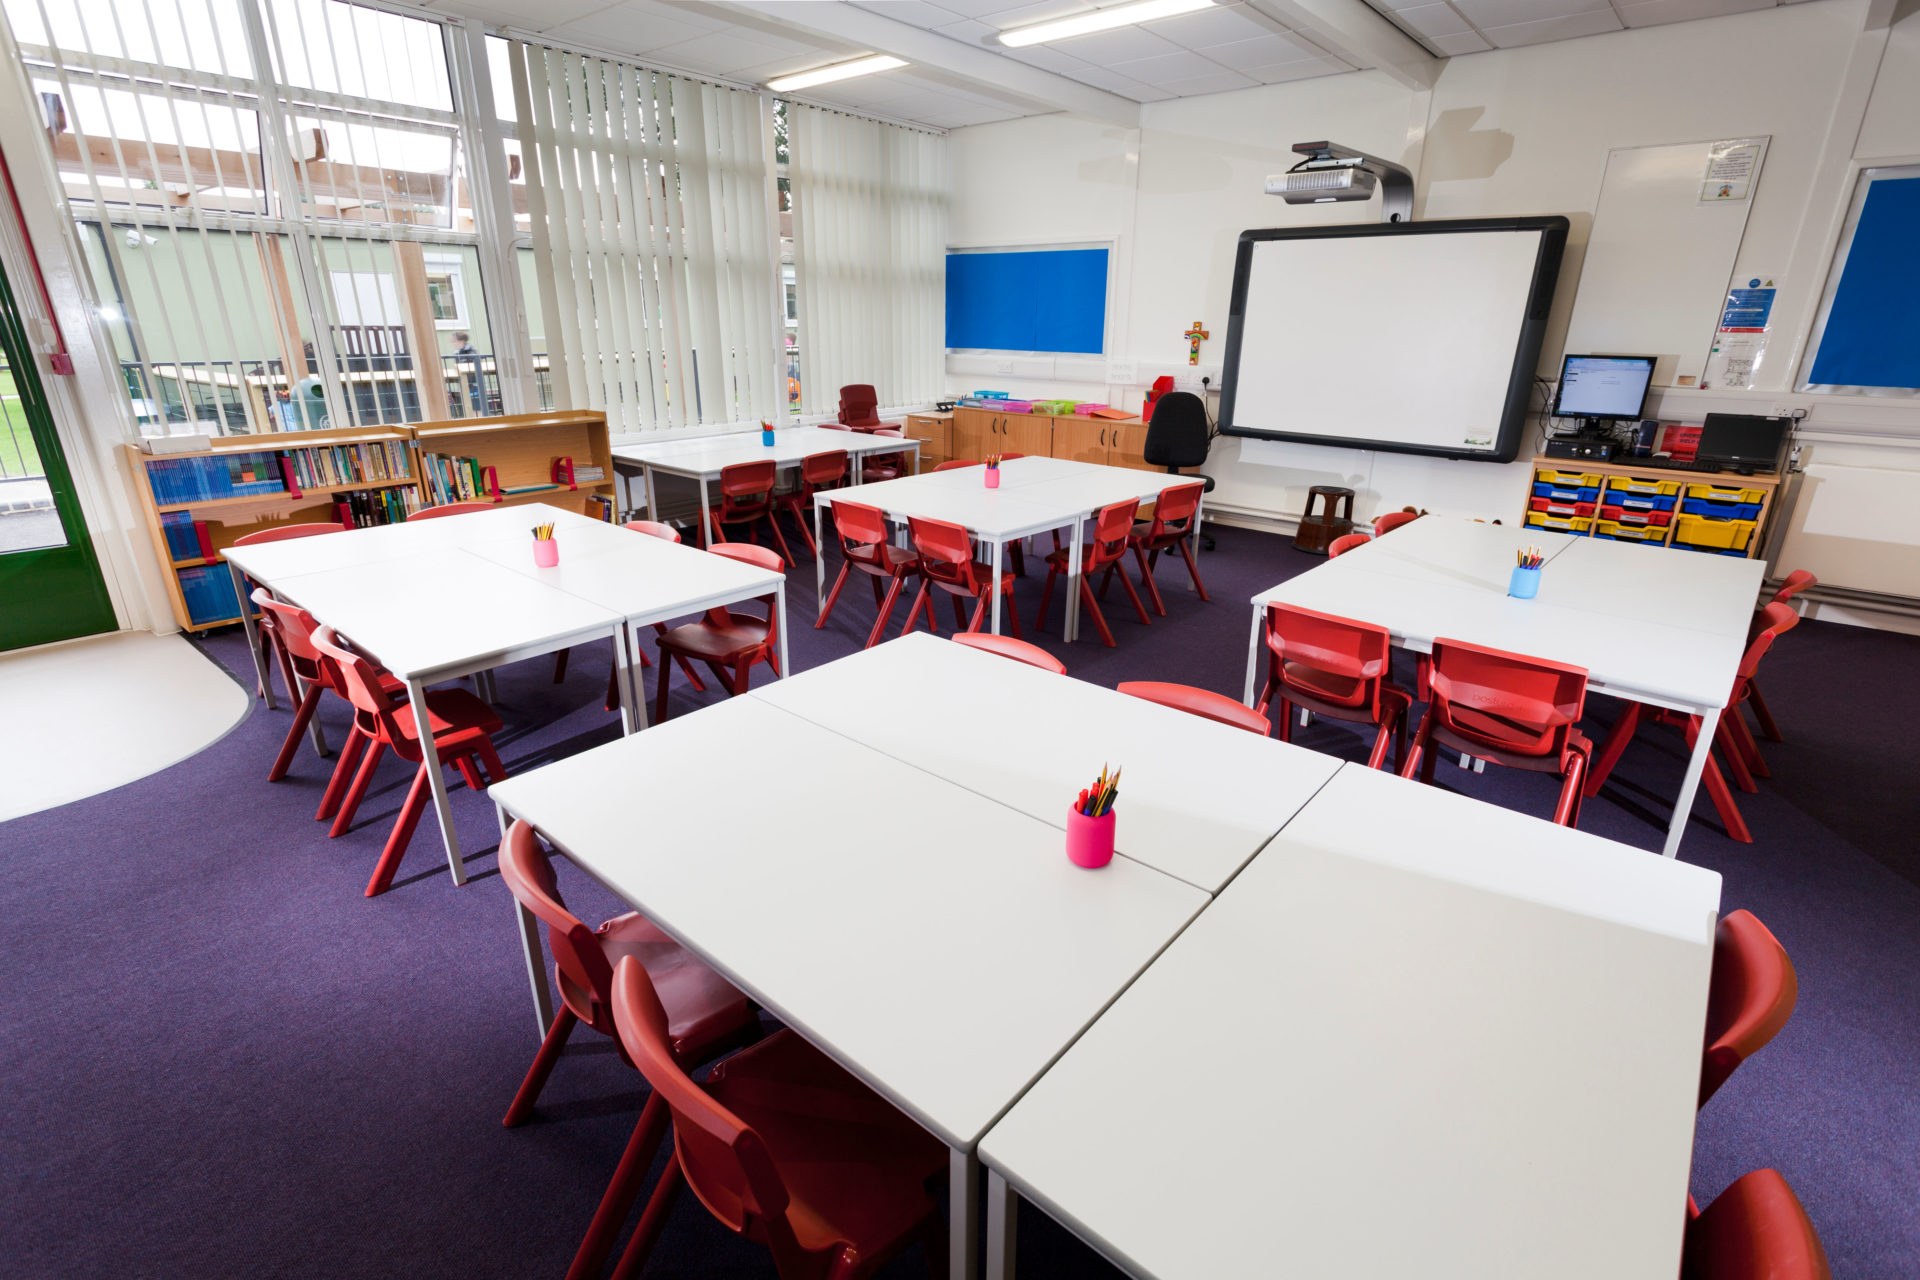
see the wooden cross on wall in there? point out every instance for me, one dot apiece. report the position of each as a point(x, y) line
point(1193, 337)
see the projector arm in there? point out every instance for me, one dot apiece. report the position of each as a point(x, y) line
point(1396, 182)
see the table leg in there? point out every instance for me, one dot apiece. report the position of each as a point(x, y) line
point(653, 503)
point(963, 1215)
point(916, 457)
point(437, 781)
point(528, 926)
point(1253, 656)
point(819, 560)
point(1696, 765)
point(999, 554)
point(1199, 509)
point(1070, 629)
point(704, 521)
point(780, 625)
point(253, 635)
point(633, 706)
point(1003, 1206)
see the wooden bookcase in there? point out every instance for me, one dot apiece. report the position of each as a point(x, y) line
point(1738, 511)
point(522, 448)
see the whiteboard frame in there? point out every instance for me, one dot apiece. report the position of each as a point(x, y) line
point(1533, 328)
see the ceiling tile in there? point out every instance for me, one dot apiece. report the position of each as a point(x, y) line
point(1653, 12)
point(1048, 59)
point(1219, 81)
point(1168, 66)
point(1503, 13)
point(1026, 15)
point(1123, 44)
point(634, 28)
point(1267, 51)
point(1298, 71)
point(967, 31)
point(1436, 20)
point(1222, 24)
point(514, 13)
point(1454, 46)
point(917, 12)
point(723, 53)
point(1580, 24)
point(1125, 86)
point(977, 8)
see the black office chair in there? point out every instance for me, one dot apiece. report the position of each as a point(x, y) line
point(1178, 436)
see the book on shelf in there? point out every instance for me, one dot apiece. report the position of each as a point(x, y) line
point(183, 542)
point(366, 508)
point(208, 590)
point(208, 477)
point(452, 479)
point(600, 507)
point(329, 466)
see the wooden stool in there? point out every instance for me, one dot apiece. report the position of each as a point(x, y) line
point(1335, 520)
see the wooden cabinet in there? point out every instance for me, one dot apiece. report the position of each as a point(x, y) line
point(1025, 433)
point(1127, 445)
point(1080, 439)
point(935, 433)
point(971, 431)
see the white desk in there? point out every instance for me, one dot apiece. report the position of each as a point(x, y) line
point(936, 944)
point(1602, 605)
point(1198, 799)
point(702, 458)
point(1036, 495)
point(1455, 1041)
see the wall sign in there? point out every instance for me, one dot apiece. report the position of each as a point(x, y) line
point(1733, 167)
point(1740, 344)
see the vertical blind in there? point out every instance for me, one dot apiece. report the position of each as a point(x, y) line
point(869, 256)
point(651, 200)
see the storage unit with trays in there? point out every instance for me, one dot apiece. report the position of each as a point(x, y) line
point(1652, 506)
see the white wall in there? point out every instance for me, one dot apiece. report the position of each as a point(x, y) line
point(1511, 132)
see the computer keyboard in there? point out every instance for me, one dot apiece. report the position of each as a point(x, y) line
point(1676, 464)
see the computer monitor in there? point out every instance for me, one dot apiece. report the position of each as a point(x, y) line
point(1743, 440)
point(1602, 388)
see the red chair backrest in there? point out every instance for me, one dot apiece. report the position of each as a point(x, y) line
point(285, 531)
point(1005, 457)
point(1345, 543)
point(580, 963)
point(1392, 520)
point(725, 1162)
point(1111, 525)
point(859, 403)
point(1173, 511)
point(754, 554)
point(1797, 581)
point(1199, 702)
point(295, 627)
point(956, 464)
point(1749, 998)
point(1774, 621)
point(862, 530)
point(946, 553)
point(358, 681)
point(746, 487)
point(1357, 651)
point(653, 529)
point(1505, 701)
point(1754, 1230)
point(1007, 647)
point(823, 468)
point(450, 509)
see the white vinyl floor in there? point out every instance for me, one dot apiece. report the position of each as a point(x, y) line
point(90, 715)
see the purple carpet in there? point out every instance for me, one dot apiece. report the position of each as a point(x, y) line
point(224, 1061)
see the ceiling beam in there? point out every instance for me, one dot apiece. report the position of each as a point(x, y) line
point(1355, 31)
point(953, 62)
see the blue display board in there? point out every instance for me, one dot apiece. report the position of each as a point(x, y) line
point(1031, 300)
point(1869, 338)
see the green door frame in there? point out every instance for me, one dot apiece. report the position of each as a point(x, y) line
point(53, 593)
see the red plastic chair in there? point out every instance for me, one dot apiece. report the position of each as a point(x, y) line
point(746, 496)
point(864, 546)
point(1797, 581)
point(705, 1015)
point(884, 466)
point(786, 1149)
point(1337, 668)
point(1383, 525)
point(946, 562)
point(1756, 1229)
point(860, 408)
point(1505, 709)
point(1170, 528)
point(1199, 702)
point(1007, 647)
point(1730, 735)
point(1345, 543)
point(818, 471)
point(1749, 998)
point(729, 643)
point(291, 629)
point(280, 533)
point(461, 727)
point(667, 533)
point(450, 509)
point(956, 463)
point(1112, 531)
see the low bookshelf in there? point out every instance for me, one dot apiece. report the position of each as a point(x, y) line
point(517, 458)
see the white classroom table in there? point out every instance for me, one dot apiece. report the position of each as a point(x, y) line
point(936, 944)
point(1449, 1040)
point(702, 458)
point(1036, 495)
point(1197, 799)
point(1606, 606)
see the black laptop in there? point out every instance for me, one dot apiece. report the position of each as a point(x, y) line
point(1744, 440)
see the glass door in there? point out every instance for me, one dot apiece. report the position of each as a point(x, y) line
point(50, 584)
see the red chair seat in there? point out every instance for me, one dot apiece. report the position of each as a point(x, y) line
point(1348, 691)
point(702, 1007)
point(709, 641)
point(454, 715)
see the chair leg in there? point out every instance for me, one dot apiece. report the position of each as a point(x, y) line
point(920, 601)
point(1411, 763)
point(1768, 729)
point(1730, 748)
point(1617, 739)
point(1092, 606)
point(1744, 740)
point(402, 835)
point(490, 757)
point(1119, 567)
point(806, 534)
point(351, 805)
point(468, 773)
point(960, 613)
point(560, 666)
point(886, 611)
point(833, 596)
point(1013, 613)
point(652, 1220)
point(301, 716)
point(686, 668)
point(1146, 576)
point(556, 1039)
point(1567, 811)
point(1717, 789)
point(343, 769)
point(1186, 553)
point(779, 538)
point(1046, 598)
point(972, 626)
point(624, 1188)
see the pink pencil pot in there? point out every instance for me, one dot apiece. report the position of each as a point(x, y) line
point(1089, 840)
point(546, 552)
point(993, 477)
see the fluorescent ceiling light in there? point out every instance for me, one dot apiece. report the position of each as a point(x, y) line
point(1082, 24)
point(840, 71)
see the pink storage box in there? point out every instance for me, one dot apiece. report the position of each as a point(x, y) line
point(1086, 410)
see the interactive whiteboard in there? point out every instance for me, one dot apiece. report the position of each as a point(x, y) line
point(1412, 337)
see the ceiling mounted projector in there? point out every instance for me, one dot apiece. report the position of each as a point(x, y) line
point(1331, 173)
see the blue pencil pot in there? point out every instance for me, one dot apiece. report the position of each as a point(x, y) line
point(766, 438)
point(1524, 584)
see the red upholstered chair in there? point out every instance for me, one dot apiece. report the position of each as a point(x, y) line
point(784, 1148)
point(291, 629)
point(1730, 735)
point(1385, 524)
point(746, 496)
point(1345, 543)
point(1170, 528)
point(450, 509)
point(1199, 702)
point(1749, 999)
point(1007, 647)
point(281, 533)
point(817, 471)
point(705, 1014)
point(1797, 581)
point(666, 533)
point(1112, 530)
point(860, 409)
point(1756, 1229)
point(884, 466)
point(1337, 668)
point(864, 547)
point(729, 643)
point(946, 562)
point(461, 728)
point(956, 463)
point(1505, 709)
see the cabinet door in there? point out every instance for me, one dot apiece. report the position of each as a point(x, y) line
point(971, 429)
point(1126, 445)
point(1029, 435)
point(1080, 439)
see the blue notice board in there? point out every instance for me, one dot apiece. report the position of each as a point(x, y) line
point(1028, 300)
point(1871, 335)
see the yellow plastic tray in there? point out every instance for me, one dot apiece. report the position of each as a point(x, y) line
point(1698, 531)
point(1578, 479)
point(1565, 524)
point(1632, 484)
point(1726, 493)
point(1632, 532)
